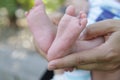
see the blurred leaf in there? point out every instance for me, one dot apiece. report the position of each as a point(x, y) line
point(26, 4)
point(52, 5)
point(9, 4)
point(13, 5)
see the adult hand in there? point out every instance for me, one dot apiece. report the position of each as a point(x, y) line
point(103, 57)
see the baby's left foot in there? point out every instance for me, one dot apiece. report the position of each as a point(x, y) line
point(68, 32)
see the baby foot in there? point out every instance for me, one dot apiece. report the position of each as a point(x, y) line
point(68, 32)
point(41, 26)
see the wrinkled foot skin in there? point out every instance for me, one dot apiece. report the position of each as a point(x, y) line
point(68, 32)
point(41, 26)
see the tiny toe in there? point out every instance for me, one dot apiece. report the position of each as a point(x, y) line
point(70, 10)
point(83, 22)
point(83, 18)
point(82, 14)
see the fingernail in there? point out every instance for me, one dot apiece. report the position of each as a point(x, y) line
point(51, 65)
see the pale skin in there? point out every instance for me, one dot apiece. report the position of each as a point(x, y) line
point(100, 75)
point(37, 31)
point(105, 58)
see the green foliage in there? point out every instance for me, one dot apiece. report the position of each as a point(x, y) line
point(26, 4)
point(13, 5)
point(9, 4)
point(52, 5)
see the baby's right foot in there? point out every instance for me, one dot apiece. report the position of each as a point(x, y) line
point(68, 32)
point(41, 26)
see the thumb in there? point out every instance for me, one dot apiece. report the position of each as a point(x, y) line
point(77, 59)
point(101, 28)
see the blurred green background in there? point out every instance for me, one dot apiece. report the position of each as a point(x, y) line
point(11, 10)
point(18, 58)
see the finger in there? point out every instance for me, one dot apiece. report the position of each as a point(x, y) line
point(93, 66)
point(101, 28)
point(114, 44)
point(99, 54)
point(99, 66)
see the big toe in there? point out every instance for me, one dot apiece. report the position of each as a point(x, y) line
point(70, 10)
point(39, 6)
